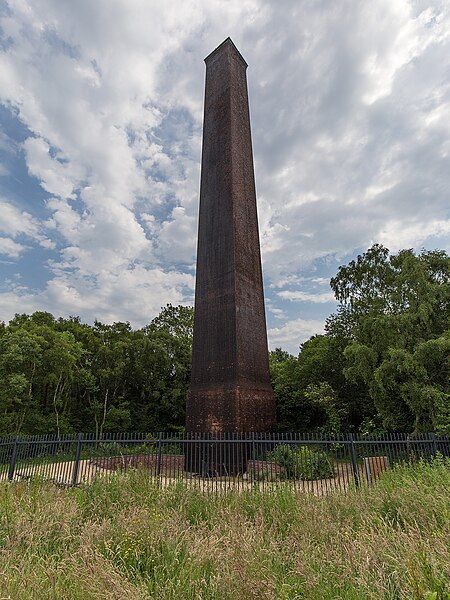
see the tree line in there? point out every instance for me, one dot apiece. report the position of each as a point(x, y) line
point(382, 364)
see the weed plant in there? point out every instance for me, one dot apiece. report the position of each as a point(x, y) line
point(303, 462)
point(128, 539)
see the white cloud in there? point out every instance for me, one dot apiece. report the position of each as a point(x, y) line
point(58, 178)
point(84, 79)
point(277, 313)
point(396, 237)
point(10, 247)
point(319, 298)
point(345, 145)
point(350, 107)
point(134, 295)
point(320, 280)
point(293, 333)
point(177, 237)
point(15, 222)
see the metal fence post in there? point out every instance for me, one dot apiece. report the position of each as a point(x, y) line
point(253, 469)
point(12, 464)
point(76, 460)
point(433, 444)
point(354, 459)
point(158, 456)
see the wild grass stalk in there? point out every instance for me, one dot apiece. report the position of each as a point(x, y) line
point(127, 539)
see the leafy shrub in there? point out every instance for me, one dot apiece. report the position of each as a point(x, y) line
point(303, 462)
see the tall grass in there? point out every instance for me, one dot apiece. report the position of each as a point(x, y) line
point(127, 539)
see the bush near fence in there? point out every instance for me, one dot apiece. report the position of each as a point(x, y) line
point(311, 462)
point(302, 462)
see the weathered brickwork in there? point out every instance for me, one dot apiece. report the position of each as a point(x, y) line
point(230, 387)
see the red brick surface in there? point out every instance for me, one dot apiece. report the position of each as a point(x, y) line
point(230, 388)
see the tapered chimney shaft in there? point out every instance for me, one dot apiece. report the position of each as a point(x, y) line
point(230, 388)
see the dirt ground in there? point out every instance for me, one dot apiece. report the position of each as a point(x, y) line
point(264, 475)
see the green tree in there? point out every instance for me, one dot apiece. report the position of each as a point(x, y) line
point(161, 367)
point(107, 397)
point(20, 360)
point(395, 312)
point(299, 381)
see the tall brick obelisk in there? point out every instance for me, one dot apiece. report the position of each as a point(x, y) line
point(230, 388)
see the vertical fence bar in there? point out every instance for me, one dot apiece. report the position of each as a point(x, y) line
point(84, 466)
point(434, 448)
point(222, 461)
point(93, 453)
point(252, 468)
point(158, 455)
point(34, 457)
point(398, 449)
point(23, 455)
point(353, 456)
point(76, 461)
point(12, 464)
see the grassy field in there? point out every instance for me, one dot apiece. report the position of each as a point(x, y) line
point(126, 539)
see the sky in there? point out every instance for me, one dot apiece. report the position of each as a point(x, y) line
point(100, 143)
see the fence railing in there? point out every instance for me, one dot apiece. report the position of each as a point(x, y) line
point(216, 463)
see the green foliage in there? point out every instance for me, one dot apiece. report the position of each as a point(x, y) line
point(302, 462)
point(323, 396)
point(396, 311)
point(311, 390)
point(60, 375)
point(127, 538)
point(383, 364)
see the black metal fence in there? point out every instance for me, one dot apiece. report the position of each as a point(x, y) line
point(216, 463)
